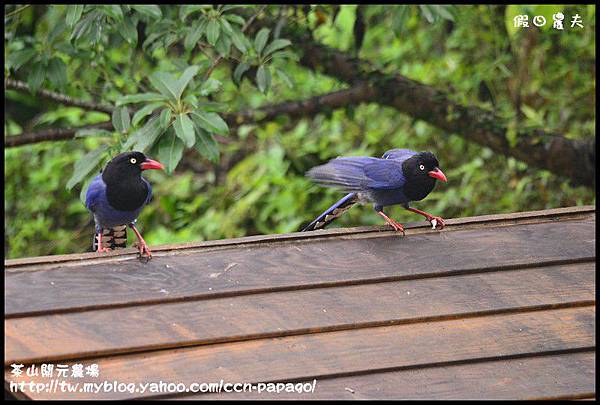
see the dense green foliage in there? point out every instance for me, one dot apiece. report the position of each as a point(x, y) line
point(173, 71)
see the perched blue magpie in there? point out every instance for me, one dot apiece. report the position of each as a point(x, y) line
point(117, 195)
point(399, 177)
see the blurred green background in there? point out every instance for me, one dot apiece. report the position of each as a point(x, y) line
point(538, 77)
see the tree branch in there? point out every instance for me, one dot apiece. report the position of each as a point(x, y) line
point(11, 84)
point(294, 109)
point(574, 159)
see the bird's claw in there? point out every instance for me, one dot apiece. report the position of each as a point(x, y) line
point(435, 221)
point(144, 251)
point(103, 249)
point(397, 226)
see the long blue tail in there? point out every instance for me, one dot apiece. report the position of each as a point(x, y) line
point(332, 213)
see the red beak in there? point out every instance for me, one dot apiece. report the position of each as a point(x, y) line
point(437, 174)
point(151, 164)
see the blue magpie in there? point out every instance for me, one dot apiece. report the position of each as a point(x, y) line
point(116, 197)
point(399, 177)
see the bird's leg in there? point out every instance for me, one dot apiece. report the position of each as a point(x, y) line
point(393, 223)
point(431, 218)
point(100, 248)
point(144, 250)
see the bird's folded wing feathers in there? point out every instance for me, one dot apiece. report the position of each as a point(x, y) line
point(399, 154)
point(359, 173)
point(95, 192)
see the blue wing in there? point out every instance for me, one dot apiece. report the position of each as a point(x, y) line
point(149, 197)
point(96, 193)
point(399, 154)
point(359, 173)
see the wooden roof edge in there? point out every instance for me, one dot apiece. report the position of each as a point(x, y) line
point(14, 264)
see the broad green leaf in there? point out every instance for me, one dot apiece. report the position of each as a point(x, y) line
point(144, 138)
point(276, 45)
point(139, 98)
point(444, 12)
point(225, 26)
point(74, 14)
point(194, 34)
point(239, 71)
point(57, 72)
point(234, 18)
point(209, 87)
point(144, 111)
point(239, 40)
point(285, 77)
point(211, 122)
point(206, 145)
point(223, 46)
point(212, 106)
point(85, 165)
point(184, 129)
point(187, 75)
point(128, 30)
point(17, 59)
point(165, 118)
point(85, 132)
point(188, 9)
point(149, 10)
point(263, 78)
point(261, 40)
point(114, 11)
point(212, 31)
point(166, 84)
point(120, 119)
point(81, 28)
point(36, 77)
point(170, 151)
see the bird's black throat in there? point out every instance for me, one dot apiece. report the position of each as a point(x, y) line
point(125, 190)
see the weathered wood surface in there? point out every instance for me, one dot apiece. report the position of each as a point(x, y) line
point(466, 312)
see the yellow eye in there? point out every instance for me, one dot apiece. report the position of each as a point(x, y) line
point(421, 167)
point(133, 161)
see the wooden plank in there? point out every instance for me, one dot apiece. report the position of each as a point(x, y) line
point(569, 375)
point(575, 212)
point(91, 333)
point(292, 265)
point(344, 353)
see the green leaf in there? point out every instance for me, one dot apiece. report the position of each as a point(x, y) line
point(85, 165)
point(139, 98)
point(261, 39)
point(239, 71)
point(212, 106)
point(149, 10)
point(234, 18)
point(184, 129)
point(81, 28)
point(209, 87)
point(36, 77)
point(120, 119)
point(194, 34)
point(144, 138)
point(276, 45)
point(211, 122)
point(283, 76)
point(166, 84)
point(17, 59)
point(144, 111)
point(74, 14)
point(188, 9)
point(170, 151)
point(206, 145)
point(263, 78)
point(113, 11)
point(212, 31)
point(165, 118)
point(128, 30)
point(223, 46)
point(57, 72)
point(239, 40)
point(187, 75)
